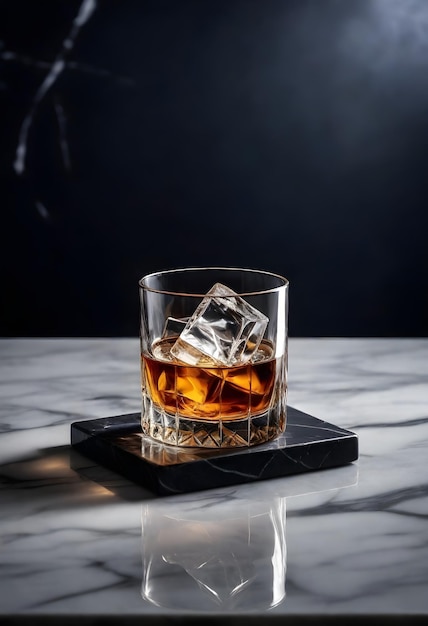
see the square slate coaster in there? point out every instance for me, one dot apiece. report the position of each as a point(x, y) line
point(117, 443)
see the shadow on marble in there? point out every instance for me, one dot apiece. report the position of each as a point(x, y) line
point(107, 479)
point(62, 476)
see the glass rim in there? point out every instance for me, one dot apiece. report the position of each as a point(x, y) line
point(284, 281)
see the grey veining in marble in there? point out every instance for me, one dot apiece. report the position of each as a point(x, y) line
point(79, 540)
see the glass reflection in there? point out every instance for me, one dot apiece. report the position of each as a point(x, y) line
point(223, 555)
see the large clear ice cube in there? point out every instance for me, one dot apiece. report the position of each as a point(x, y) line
point(224, 330)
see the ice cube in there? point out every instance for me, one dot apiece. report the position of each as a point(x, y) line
point(174, 326)
point(224, 330)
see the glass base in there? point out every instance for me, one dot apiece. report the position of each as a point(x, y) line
point(199, 433)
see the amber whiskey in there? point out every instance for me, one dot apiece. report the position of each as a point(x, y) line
point(198, 392)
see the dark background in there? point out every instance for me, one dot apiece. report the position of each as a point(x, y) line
point(289, 136)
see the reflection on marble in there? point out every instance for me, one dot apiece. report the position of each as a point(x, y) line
point(356, 536)
point(215, 558)
point(223, 553)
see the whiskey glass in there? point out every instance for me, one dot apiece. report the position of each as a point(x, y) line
point(213, 356)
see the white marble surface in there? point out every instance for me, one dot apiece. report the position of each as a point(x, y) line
point(347, 541)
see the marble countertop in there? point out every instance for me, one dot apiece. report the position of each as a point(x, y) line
point(79, 541)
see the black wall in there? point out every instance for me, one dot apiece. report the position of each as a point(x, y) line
point(286, 135)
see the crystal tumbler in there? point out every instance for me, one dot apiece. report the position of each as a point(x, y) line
point(213, 356)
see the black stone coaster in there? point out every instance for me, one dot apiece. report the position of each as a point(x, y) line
point(117, 443)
